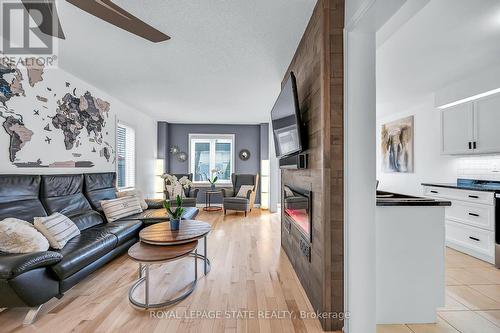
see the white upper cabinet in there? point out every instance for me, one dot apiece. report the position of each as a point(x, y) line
point(487, 125)
point(456, 129)
point(471, 128)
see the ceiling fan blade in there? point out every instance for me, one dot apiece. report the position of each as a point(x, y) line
point(50, 24)
point(111, 13)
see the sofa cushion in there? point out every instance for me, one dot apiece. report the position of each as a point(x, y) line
point(118, 208)
point(19, 197)
point(98, 187)
point(154, 203)
point(236, 203)
point(63, 194)
point(57, 228)
point(84, 249)
point(18, 236)
point(186, 202)
point(134, 193)
point(87, 219)
point(123, 230)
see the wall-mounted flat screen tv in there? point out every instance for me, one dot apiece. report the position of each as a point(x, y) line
point(285, 118)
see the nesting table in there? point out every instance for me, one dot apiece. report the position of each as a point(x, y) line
point(158, 244)
point(208, 201)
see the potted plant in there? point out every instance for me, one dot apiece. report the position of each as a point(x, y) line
point(175, 214)
point(214, 178)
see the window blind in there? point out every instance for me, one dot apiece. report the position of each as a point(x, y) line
point(125, 148)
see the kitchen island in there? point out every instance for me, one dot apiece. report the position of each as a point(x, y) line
point(410, 245)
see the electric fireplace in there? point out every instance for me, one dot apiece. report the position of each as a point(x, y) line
point(296, 207)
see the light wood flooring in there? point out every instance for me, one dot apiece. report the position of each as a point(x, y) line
point(472, 299)
point(249, 273)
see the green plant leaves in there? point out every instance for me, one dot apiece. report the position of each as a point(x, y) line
point(179, 210)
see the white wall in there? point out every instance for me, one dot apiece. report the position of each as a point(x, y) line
point(429, 164)
point(480, 82)
point(359, 188)
point(363, 19)
point(55, 79)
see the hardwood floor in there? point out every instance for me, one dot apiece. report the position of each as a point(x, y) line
point(472, 299)
point(249, 272)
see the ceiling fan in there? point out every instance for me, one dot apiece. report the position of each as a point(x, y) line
point(106, 10)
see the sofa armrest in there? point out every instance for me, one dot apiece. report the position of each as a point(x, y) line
point(12, 265)
point(154, 203)
point(193, 193)
point(227, 192)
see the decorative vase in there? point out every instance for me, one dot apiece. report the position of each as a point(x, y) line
point(175, 224)
point(212, 187)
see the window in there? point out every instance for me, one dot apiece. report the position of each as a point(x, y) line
point(125, 152)
point(211, 152)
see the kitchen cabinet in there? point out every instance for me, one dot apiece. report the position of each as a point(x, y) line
point(486, 124)
point(456, 129)
point(410, 247)
point(470, 221)
point(471, 128)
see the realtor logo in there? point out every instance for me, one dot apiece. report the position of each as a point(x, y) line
point(28, 27)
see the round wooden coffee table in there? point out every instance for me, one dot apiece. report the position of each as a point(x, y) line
point(145, 255)
point(190, 230)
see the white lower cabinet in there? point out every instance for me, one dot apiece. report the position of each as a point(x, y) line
point(477, 242)
point(481, 216)
point(470, 221)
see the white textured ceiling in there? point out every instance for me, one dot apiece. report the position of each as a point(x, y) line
point(446, 41)
point(224, 63)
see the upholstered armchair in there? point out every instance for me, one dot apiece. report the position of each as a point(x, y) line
point(191, 193)
point(244, 202)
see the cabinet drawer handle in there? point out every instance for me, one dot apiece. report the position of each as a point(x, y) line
point(474, 214)
point(470, 145)
point(435, 192)
point(474, 238)
point(473, 196)
point(474, 145)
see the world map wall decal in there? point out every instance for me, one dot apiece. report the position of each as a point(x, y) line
point(51, 120)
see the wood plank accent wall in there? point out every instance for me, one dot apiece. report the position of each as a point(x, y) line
point(318, 65)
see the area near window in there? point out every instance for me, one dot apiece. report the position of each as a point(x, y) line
point(209, 152)
point(125, 152)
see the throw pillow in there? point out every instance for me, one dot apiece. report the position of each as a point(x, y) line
point(288, 192)
point(57, 228)
point(115, 209)
point(131, 193)
point(18, 236)
point(244, 190)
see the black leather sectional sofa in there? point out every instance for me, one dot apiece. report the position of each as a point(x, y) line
point(29, 280)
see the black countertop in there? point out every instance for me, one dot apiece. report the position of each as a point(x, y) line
point(396, 199)
point(470, 184)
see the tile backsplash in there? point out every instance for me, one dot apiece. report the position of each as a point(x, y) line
point(479, 167)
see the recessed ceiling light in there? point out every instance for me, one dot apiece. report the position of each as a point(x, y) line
point(468, 99)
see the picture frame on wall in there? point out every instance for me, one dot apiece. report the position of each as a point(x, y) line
point(397, 145)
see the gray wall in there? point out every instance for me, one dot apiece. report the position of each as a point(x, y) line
point(251, 137)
